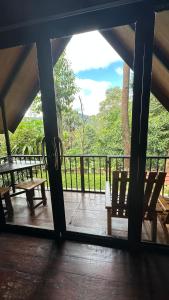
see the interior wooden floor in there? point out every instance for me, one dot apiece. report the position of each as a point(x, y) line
point(35, 268)
point(84, 213)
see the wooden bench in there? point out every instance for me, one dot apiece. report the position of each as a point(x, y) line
point(4, 195)
point(29, 187)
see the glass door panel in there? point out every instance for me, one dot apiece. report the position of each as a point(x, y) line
point(96, 128)
point(156, 229)
point(23, 168)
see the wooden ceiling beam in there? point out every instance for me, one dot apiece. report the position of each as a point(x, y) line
point(158, 52)
point(19, 12)
point(102, 18)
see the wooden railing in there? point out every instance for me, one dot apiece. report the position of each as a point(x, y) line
point(88, 173)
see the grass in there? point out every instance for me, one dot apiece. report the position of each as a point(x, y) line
point(72, 181)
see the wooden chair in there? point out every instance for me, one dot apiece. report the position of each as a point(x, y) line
point(29, 187)
point(163, 208)
point(4, 195)
point(117, 202)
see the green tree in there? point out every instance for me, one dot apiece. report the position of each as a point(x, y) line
point(158, 132)
point(27, 138)
point(110, 129)
point(65, 87)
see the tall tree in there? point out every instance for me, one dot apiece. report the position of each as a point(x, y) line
point(124, 111)
point(109, 125)
point(65, 86)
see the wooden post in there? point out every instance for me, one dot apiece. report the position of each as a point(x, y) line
point(2, 216)
point(6, 133)
point(140, 112)
point(51, 133)
point(7, 141)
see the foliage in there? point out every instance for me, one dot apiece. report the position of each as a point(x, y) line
point(27, 138)
point(103, 132)
point(158, 137)
point(65, 87)
point(100, 134)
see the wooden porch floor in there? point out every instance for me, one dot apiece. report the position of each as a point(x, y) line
point(84, 213)
point(37, 269)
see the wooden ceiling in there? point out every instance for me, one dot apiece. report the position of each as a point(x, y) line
point(122, 40)
point(19, 81)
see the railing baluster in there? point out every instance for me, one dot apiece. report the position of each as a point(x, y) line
point(82, 174)
point(110, 167)
point(157, 168)
point(88, 170)
point(94, 174)
point(64, 164)
point(100, 166)
point(123, 163)
point(76, 173)
point(70, 169)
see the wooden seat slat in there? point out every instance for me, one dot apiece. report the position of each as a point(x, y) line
point(115, 188)
point(149, 183)
point(29, 185)
point(155, 194)
point(123, 185)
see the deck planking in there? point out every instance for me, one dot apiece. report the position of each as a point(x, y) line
point(85, 212)
point(35, 268)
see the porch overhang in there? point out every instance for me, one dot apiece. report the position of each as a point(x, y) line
point(122, 40)
point(19, 79)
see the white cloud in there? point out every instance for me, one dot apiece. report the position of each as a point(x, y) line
point(119, 71)
point(90, 51)
point(92, 93)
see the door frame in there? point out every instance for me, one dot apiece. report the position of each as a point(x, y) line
point(103, 18)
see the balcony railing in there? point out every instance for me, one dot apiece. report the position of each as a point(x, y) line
point(85, 173)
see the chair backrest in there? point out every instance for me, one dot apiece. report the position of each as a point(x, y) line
point(153, 185)
point(119, 194)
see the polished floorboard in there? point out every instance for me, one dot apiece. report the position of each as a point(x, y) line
point(85, 212)
point(39, 269)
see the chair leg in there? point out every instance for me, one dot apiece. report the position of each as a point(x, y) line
point(43, 194)
point(29, 197)
point(8, 203)
point(109, 221)
point(154, 229)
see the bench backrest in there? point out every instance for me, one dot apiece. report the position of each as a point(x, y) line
point(153, 184)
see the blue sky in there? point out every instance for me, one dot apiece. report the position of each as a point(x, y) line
point(108, 73)
point(97, 67)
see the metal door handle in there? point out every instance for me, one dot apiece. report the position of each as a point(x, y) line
point(43, 153)
point(61, 150)
point(56, 152)
point(56, 155)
